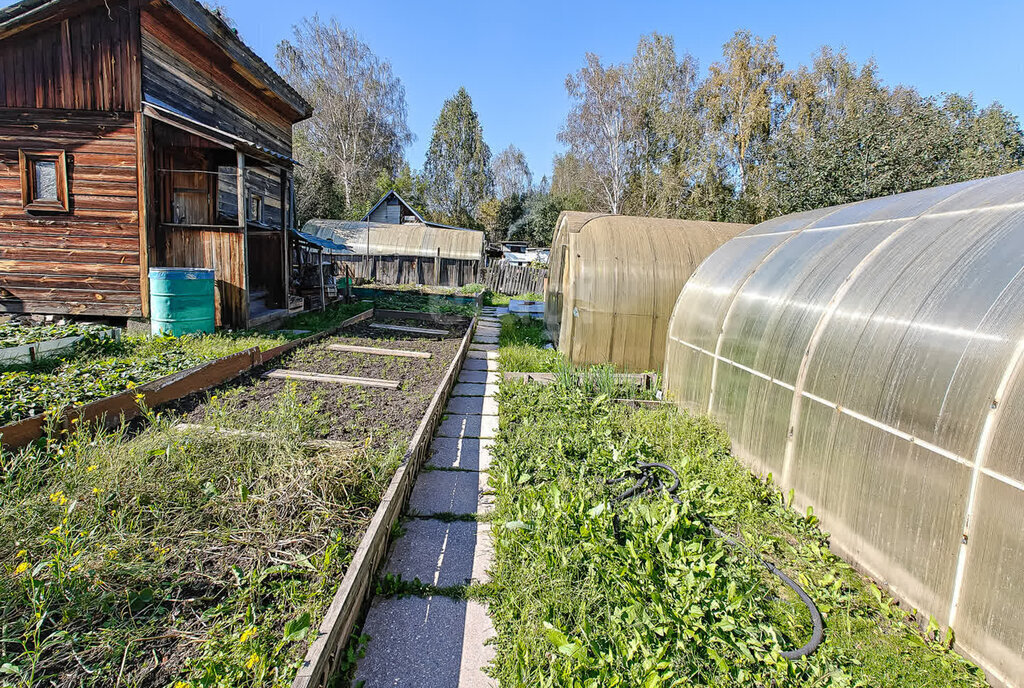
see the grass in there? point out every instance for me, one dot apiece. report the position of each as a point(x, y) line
point(494, 299)
point(424, 303)
point(97, 368)
point(667, 603)
point(192, 560)
point(521, 343)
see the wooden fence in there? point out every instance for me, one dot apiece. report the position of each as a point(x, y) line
point(505, 278)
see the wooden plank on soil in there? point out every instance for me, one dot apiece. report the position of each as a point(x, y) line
point(286, 374)
point(405, 328)
point(352, 348)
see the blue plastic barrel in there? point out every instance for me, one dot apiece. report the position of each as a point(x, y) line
point(181, 300)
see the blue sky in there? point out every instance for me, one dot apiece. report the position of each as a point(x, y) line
point(513, 57)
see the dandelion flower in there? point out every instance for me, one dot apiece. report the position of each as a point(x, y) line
point(249, 632)
point(91, 468)
point(21, 554)
point(22, 568)
point(254, 659)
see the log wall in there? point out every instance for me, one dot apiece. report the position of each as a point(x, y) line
point(85, 261)
point(85, 62)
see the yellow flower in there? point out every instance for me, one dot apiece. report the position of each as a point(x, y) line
point(91, 468)
point(21, 553)
point(131, 385)
point(74, 420)
point(97, 490)
point(254, 659)
point(58, 497)
point(22, 568)
point(54, 530)
point(74, 568)
point(249, 632)
point(140, 397)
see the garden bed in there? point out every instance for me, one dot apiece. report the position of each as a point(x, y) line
point(26, 344)
point(347, 411)
point(101, 368)
point(591, 591)
point(451, 300)
point(193, 559)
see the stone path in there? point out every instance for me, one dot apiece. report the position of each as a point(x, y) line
point(436, 640)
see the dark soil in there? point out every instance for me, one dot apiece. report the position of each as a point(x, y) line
point(346, 412)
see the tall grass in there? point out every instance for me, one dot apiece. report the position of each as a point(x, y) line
point(174, 559)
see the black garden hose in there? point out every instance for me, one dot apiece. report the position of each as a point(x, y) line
point(649, 482)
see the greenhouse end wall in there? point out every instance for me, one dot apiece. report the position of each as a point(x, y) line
point(613, 281)
point(869, 356)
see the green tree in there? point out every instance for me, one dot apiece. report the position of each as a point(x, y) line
point(358, 127)
point(458, 163)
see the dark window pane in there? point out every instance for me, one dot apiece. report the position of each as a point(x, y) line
point(45, 180)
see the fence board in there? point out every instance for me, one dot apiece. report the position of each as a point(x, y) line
point(505, 278)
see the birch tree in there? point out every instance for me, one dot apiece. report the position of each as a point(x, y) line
point(598, 129)
point(358, 128)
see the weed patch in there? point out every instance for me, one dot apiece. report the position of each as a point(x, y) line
point(667, 603)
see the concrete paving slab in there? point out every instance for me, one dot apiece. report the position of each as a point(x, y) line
point(474, 346)
point(460, 425)
point(488, 328)
point(483, 555)
point(485, 339)
point(489, 355)
point(420, 642)
point(440, 553)
point(485, 406)
point(450, 492)
point(468, 453)
point(479, 364)
point(474, 389)
point(479, 376)
point(477, 653)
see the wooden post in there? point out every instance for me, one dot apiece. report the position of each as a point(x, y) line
point(286, 182)
point(145, 194)
point(437, 268)
point(243, 213)
point(320, 270)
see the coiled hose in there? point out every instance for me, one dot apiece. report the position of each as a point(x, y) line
point(649, 482)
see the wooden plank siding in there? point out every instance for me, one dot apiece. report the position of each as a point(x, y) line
point(84, 62)
point(85, 261)
point(182, 70)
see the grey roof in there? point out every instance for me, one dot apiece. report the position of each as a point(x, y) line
point(410, 239)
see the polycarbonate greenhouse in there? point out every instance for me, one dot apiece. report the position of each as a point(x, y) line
point(869, 356)
point(613, 280)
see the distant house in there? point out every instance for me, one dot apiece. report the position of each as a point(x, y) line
point(392, 209)
point(140, 133)
point(394, 244)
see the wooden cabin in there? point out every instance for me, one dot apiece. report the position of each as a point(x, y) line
point(139, 133)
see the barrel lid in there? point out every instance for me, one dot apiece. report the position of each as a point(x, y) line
point(181, 273)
